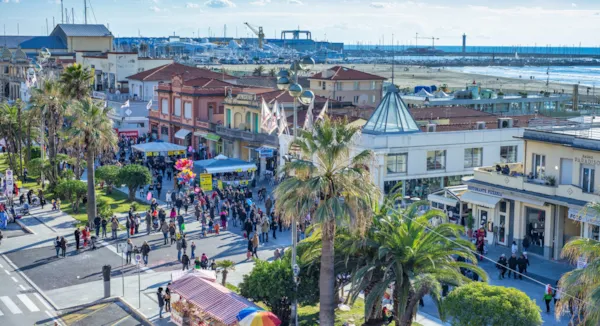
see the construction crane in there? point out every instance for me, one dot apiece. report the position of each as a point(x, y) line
point(259, 32)
point(432, 38)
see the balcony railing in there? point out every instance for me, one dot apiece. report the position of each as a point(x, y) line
point(247, 136)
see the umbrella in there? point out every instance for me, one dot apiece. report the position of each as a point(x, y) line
point(255, 317)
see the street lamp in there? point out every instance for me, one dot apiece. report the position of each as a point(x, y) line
point(305, 97)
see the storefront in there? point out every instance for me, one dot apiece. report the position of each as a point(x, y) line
point(589, 220)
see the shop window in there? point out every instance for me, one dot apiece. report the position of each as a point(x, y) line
point(228, 118)
point(373, 84)
point(539, 166)
point(535, 229)
point(396, 163)
point(587, 179)
point(508, 154)
point(436, 160)
point(503, 206)
point(473, 157)
point(388, 186)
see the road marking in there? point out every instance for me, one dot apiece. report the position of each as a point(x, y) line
point(1, 314)
point(146, 270)
point(28, 303)
point(1, 266)
point(22, 287)
point(11, 305)
point(7, 272)
point(53, 318)
point(14, 279)
point(43, 301)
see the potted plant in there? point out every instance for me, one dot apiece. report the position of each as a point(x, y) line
point(470, 223)
point(523, 94)
point(550, 180)
point(500, 95)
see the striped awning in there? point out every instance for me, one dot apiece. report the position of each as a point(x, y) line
point(211, 298)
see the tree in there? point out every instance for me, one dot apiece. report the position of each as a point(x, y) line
point(134, 176)
point(94, 129)
point(581, 287)
point(258, 71)
point(478, 303)
point(75, 82)
point(108, 174)
point(10, 130)
point(168, 50)
point(342, 183)
point(144, 48)
point(72, 190)
point(416, 259)
point(272, 72)
point(226, 266)
point(272, 284)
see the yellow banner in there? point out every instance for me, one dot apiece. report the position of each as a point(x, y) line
point(206, 182)
point(220, 184)
point(19, 184)
point(238, 170)
point(243, 182)
point(171, 153)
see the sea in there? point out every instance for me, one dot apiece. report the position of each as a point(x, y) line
point(583, 75)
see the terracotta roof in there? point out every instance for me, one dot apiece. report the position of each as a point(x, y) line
point(207, 83)
point(344, 73)
point(167, 71)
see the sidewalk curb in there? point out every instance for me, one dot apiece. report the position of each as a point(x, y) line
point(134, 310)
point(33, 285)
point(24, 227)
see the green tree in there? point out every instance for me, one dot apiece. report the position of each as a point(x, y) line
point(272, 72)
point(478, 303)
point(272, 284)
point(258, 71)
point(226, 266)
point(416, 258)
point(583, 284)
point(134, 176)
point(144, 49)
point(75, 81)
point(330, 171)
point(72, 190)
point(94, 130)
point(10, 131)
point(108, 174)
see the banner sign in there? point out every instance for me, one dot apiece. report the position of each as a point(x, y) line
point(206, 182)
point(10, 182)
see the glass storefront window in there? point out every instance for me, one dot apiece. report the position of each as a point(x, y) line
point(389, 185)
point(535, 229)
point(423, 187)
point(595, 232)
point(502, 230)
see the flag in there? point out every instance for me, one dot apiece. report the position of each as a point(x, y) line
point(308, 121)
point(265, 115)
point(149, 105)
point(125, 105)
point(105, 104)
point(321, 115)
point(272, 123)
point(283, 124)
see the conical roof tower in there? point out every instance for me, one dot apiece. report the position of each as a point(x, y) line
point(391, 116)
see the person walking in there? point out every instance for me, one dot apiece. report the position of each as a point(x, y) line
point(548, 297)
point(128, 252)
point(255, 243)
point(274, 228)
point(185, 261)
point(168, 198)
point(512, 266)
point(168, 298)
point(165, 230)
point(132, 225)
point(265, 229)
point(114, 225)
point(181, 223)
point(268, 205)
point(57, 246)
point(161, 302)
point(172, 231)
point(138, 221)
point(77, 235)
point(184, 244)
point(526, 244)
point(85, 235)
point(557, 294)
point(127, 226)
point(63, 246)
point(145, 252)
point(97, 225)
point(501, 265)
point(179, 247)
point(148, 222)
point(522, 264)
point(514, 248)
point(104, 225)
point(193, 249)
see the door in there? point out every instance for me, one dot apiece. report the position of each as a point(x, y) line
point(566, 171)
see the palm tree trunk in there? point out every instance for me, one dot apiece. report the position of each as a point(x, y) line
point(91, 191)
point(224, 280)
point(327, 276)
point(400, 299)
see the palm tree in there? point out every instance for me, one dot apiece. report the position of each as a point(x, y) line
point(416, 258)
point(10, 131)
point(581, 287)
point(272, 72)
point(144, 49)
point(48, 105)
point(258, 71)
point(343, 187)
point(75, 82)
point(95, 130)
point(226, 266)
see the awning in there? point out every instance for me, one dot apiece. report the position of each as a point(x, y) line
point(212, 137)
point(525, 200)
point(200, 133)
point(182, 133)
point(442, 199)
point(480, 199)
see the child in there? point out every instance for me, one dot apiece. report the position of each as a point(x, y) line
point(203, 231)
point(197, 263)
point(53, 204)
point(58, 204)
point(210, 226)
point(217, 227)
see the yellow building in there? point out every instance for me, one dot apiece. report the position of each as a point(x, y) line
point(545, 198)
point(348, 85)
point(84, 37)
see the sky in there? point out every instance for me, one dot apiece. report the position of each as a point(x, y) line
point(486, 22)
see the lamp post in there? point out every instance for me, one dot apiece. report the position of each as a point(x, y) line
point(305, 97)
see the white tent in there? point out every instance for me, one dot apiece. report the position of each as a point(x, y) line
point(158, 147)
point(423, 92)
point(223, 164)
point(441, 94)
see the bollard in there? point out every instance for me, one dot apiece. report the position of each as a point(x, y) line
point(106, 276)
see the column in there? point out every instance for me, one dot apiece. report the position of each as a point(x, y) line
point(551, 222)
point(559, 230)
point(263, 166)
point(236, 149)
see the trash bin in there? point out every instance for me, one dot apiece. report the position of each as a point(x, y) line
point(106, 276)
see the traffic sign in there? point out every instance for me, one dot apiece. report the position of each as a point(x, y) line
point(138, 258)
point(9, 181)
point(121, 247)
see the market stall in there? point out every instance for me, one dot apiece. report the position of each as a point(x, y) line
point(203, 302)
point(224, 171)
point(160, 149)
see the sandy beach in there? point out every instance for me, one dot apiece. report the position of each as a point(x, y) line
point(411, 76)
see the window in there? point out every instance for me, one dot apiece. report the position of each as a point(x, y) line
point(324, 86)
point(177, 107)
point(164, 106)
point(373, 84)
point(228, 117)
point(587, 179)
point(539, 166)
point(339, 98)
point(164, 130)
point(356, 86)
point(508, 154)
point(372, 98)
point(396, 163)
point(355, 99)
point(436, 160)
point(187, 110)
point(338, 86)
point(473, 157)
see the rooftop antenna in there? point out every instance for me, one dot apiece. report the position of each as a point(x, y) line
point(47, 32)
point(66, 16)
point(393, 58)
point(72, 15)
point(85, 11)
point(62, 13)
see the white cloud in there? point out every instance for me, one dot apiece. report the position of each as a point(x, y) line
point(260, 2)
point(192, 5)
point(156, 1)
point(220, 4)
point(5, 1)
point(381, 5)
point(155, 9)
point(294, 2)
point(16, 1)
point(574, 5)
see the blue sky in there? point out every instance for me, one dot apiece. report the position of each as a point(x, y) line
point(486, 22)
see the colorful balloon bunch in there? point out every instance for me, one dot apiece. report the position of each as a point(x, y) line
point(184, 164)
point(185, 176)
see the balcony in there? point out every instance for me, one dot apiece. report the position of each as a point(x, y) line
point(237, 134)
point(515, 178)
